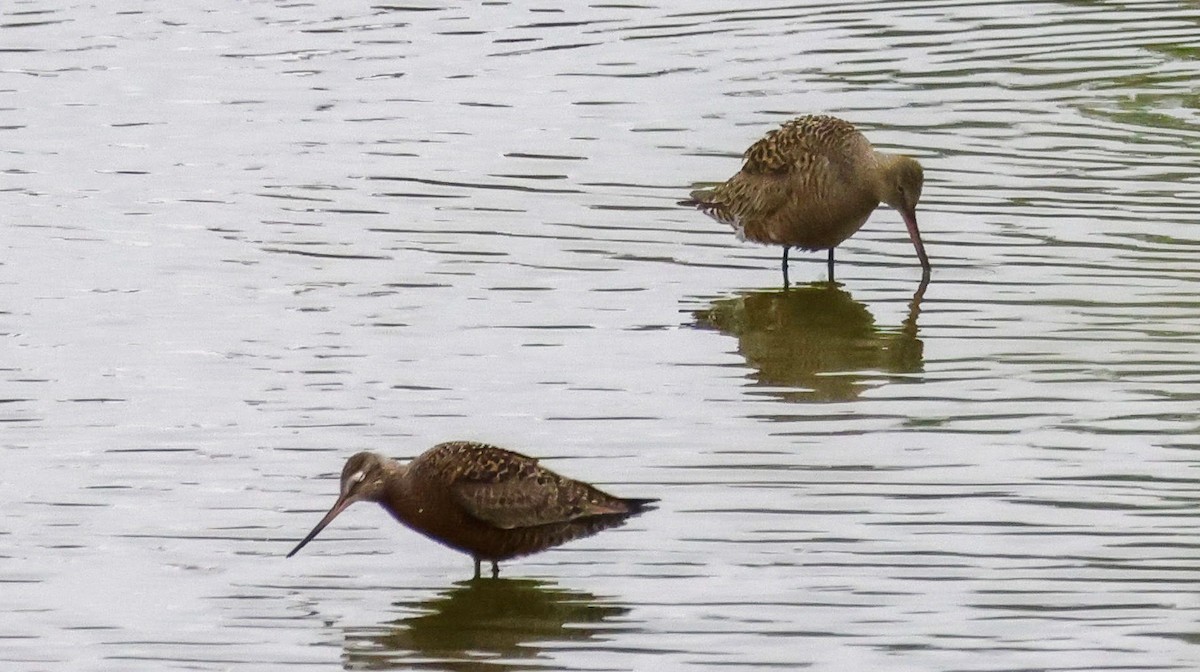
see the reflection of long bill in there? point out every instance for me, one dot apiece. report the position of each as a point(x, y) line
point(338, 506)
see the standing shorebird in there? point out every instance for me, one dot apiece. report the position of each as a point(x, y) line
point(811, 184)
point(490, 503)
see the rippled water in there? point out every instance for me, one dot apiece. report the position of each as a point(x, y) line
point(244, 241)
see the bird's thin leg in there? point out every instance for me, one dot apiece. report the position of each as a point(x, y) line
point(495, 570)
point(831, 264)
point(785, 265)
point(477, 565)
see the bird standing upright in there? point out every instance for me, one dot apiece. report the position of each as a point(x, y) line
point(490, 503)
point(811, 184)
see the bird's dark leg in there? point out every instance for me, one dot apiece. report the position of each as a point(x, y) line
point(495, 570)
point(831, 264)
point(785, 265)
point(477, 564)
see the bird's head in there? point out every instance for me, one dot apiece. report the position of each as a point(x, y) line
point(901, 186)
point(363, 479)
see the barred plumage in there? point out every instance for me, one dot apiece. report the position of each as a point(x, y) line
point(811, 184)
point(488, 502)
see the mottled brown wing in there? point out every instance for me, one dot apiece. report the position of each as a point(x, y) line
point(773, 153)
point(510, 490)
point(750, 200)
point(751, 204)
point(801, 141)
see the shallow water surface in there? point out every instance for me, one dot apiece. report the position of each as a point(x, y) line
point(247, 241)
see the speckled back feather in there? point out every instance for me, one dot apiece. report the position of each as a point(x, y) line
point(510, 490)
point(798, 142)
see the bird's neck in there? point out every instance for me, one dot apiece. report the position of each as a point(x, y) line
point(398, 487)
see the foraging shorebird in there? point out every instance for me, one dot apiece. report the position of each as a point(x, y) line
point(811, 184)
point(490, 503)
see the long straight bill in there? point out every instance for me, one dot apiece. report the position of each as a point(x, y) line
point(910, 220)
point(338, 506)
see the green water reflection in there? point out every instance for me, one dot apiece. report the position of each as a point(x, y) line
point(484, 624)
point(815, 342)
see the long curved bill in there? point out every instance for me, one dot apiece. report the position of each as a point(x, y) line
point(338, 506)
point(910, 220)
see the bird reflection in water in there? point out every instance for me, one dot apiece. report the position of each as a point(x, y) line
point(816, 339)
point(484, 625)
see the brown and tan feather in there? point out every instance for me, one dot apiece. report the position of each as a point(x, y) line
point(511, 490)
point(488, 502)
point(810, 184)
